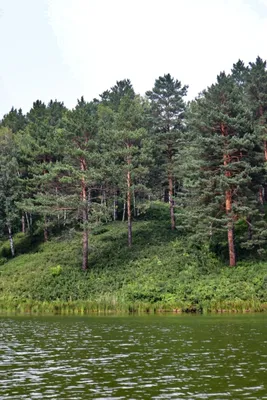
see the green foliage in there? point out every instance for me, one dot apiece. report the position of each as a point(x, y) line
point(22, 243)
point(165, 121)
point(228, 167)
point(15, 120)
point(9, 187)
point(55, 271)
point(162, 271)
point(64, 174)
point(157, 211)
point(112, 97)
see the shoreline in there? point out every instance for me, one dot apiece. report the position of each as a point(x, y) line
point(23, 306)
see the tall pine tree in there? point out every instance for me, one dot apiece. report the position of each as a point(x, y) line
point(229, 160)
point(166, 122)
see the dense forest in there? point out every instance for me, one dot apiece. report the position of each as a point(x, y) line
point(64, 171)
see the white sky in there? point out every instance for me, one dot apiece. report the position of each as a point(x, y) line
point(63, 49)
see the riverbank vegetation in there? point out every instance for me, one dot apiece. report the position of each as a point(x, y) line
point(161, 272)
point(130, 203)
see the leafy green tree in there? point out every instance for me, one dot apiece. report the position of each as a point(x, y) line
point(167, 125)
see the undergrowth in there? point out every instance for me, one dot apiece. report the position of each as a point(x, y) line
point(161, 272)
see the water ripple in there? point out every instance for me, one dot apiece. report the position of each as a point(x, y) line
point(176, 357)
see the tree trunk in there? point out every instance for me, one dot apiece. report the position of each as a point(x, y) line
point(171, 202)
point(45, 230)
point(228, 206)
point(230, 234)
point(230, 230)
point(101, 196)
point(129, 215)
point(23, 228)
point(28, 222)
point(265, 149)
point(104, 198)
point(115, 207)
point(12, 249)
point(85, 218)
point(124, 211)
point(249, 228)
point(85, 242)
point(261, 195)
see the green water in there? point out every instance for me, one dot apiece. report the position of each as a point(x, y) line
point(134, 357)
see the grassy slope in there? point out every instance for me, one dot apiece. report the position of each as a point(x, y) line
point(160, 272)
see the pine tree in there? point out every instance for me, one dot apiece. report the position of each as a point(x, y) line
point(14, 120)
point(39, 147)
point(166, 120)
point(123, 142)
point(230, 162)
point(63, 178)
point(82, 163)
point(240, 74)
point(9, 187)
point(111, 98)
point(108, 109)
point(256, 90)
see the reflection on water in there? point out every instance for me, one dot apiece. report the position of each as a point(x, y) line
point(149, 357)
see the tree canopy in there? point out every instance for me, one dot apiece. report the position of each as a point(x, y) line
point(70, 170)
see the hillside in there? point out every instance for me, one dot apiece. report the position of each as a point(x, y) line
point(161, 271)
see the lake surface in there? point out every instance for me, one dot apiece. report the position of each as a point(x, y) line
point(134, 357)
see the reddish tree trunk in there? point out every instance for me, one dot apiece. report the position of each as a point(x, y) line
point(228, 207)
